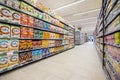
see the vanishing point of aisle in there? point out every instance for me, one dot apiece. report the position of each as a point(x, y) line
point(80, 63)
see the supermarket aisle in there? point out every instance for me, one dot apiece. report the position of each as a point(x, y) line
point(80, 63)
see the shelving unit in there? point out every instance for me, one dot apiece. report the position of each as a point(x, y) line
point(33, 42)
point(107, 35)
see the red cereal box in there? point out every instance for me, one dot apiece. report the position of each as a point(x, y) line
point(30, 33)
point(23, 19)
point(30, 21)
point(23, 32)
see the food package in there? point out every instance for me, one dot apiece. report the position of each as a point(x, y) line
point(117, 38)
point(5, 14)
point(4, 31)
point(30, 10)
point(30, 32)
point(23, 7)
point(23, 32)
point(4, 45)
point(3, 61)
point(15, 32)
point(15, 4)
point(24, 19)
point(12, 59)
point(29, 44)
point(38, 23)
point(30, 21)
point(14, 45)
point(15, 17)
point(22, 45)
point(38, 14)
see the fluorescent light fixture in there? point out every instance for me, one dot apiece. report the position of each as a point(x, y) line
point(86, 12)
point(84, 19)
point(71, 4)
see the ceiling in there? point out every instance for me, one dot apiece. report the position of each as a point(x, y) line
point(83, 14)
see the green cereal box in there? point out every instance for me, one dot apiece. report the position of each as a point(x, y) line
point(4, 31)
point(5, 14)
point(3, 61)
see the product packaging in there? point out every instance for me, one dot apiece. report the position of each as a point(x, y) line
point(15, 17)
point(23, 32)
point(15, 32)
point(30, 21)
point(5, 14)
point(4, 31)
point(12, 59)
point(3, 61)
point(24, 19)
point(22, 45)
point(14, 45)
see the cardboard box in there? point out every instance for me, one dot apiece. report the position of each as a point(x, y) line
point(3, 61)
point(4, 45)
point(4, 31)
point(5, 14)
point(15, 32)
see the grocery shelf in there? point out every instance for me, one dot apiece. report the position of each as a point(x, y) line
point(32, 15)
point(20, 51)
point(117, 14)
point(44, 12)
point(108, 2)
point(22, 65)
point(114, 3)
point(114, 45)
point(39, 39)
point(112, 32)
point(30, 27)
point(107, 73)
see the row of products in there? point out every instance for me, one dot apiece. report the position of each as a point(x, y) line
point(114, 64)
point(7, 31)
point(114, 38)
point(29, 44)
point(15, 45)
point(11, 15)
point(12, 59)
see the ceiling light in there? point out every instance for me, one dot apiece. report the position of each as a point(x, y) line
point(86, 12)
point(84, 19)
point(71, 4)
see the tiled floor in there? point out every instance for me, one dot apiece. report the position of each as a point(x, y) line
point(80, 63)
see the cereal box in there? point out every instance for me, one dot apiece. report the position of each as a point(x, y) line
point(29, 44)
point(12, 59)
point(23, 32)
point(24, 19)
point(4, 45)
point(22, 45)
point(15, 17)
point(9, 3)
point(15, 32)
point(16, 4)
point(4, 31)
point(30, 33)
point(14, 45)
point(3, 61)
point(5, 14)
point(30, 21)
point(23, 6)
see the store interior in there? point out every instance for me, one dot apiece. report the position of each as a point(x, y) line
point(60, 39)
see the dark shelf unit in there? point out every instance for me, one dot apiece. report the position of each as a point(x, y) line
point(102, 29)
